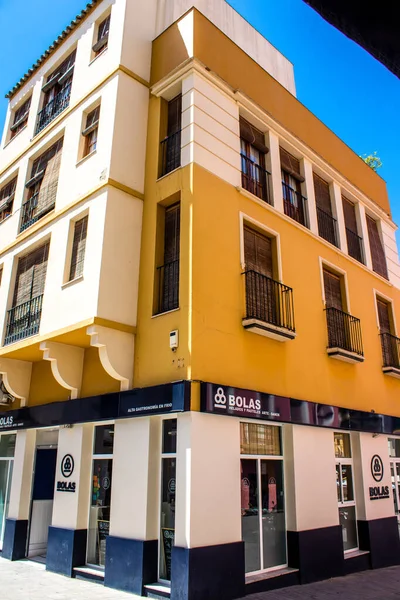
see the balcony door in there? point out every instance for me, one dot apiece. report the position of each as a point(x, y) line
point(338, 326)
point(389, 342)
point(262, 301)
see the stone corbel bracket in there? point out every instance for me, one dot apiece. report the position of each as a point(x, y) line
point(66, 365)
point(16, 377)
point(116, 352)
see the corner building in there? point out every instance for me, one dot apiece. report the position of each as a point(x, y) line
point(199, 297)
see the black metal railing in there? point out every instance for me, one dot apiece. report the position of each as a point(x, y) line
point(49, 112)
point(23, 320)
point(355, 245)
point(268, 300)
point(294, 205)
point(327, 227)
point(256, 179)
point(170, 153)
point(390, 350)
point(30, 213)
point(168, 286)
point(344, 331)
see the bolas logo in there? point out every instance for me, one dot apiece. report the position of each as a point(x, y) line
point(67, 466)
point(377, 468)
point(220, 398)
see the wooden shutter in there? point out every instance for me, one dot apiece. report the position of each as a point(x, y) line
point(102, 35)
point(172, 233)
point(174, 115)
point(7, 195)
point(322, 196)
point(349, 212)
point(383, 316)
point(252, 135)
point(31, 275)
point(258, 252)
point(377, 251)
point(78, 248)
point(48, 188)
point(290, 164)
point(333, 290)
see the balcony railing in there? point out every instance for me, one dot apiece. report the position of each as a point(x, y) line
point(23, 320)
point(390, 350)
point(256, 179)
point(294, 205)
point(170, 153)
point(344, 331)
point(49, 112)
point(168, 286)
point(269, 301)
point(30, 213)
point(327, 227)
point(355, 245)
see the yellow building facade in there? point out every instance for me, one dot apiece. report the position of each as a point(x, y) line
point(200, 380)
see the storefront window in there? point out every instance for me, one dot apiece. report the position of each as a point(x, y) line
point(394, 453)
point(345, 490)
point(100, 501)
point(7, 447)
point(262, 497)
point(168, 489)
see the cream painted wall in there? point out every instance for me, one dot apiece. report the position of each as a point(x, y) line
point(71, 510)
point(22, 479)
point(207, 481)
point(237, 29)
point(310, 480)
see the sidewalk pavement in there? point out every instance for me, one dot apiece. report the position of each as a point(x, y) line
point(26, 580)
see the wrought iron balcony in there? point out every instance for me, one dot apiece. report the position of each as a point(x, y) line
point(56, 106)
point(295, 205)
point(170, 153)
point(30, 212)
point(355, 245)
point(390, 354)
point(269, 307)
point(327, 227)
point(23, 320)
point(168, 287)
point(344, 336)
point(256, 179)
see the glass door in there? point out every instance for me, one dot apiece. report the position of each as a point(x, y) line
point(345, 490)
point(7, 447)
point(262, 498)
point(168, 489)
point(394, 453)
point(100, 498)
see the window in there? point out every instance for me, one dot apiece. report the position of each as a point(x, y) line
point(168, 272)
point(171, 145)
point(7, 198)
point(42, 186)
point(78, 249)
point(23, 319)
point(255, 178)
point(90, 131)
point(294, 204)
point(333, 290)
point(394, 453)
point(102, 36)
point(327, 227)
point(168, 491)
point(389, 342)
point(20, 118)
point(377, 250)
point(354, 241)
point(262, 497)
point(57, 92)
point(345, 490)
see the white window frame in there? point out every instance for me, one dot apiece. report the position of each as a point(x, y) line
point(341, 461)
point(8, 459)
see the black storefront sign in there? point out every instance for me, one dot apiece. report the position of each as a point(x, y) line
point(160, 399)
point(238, 402)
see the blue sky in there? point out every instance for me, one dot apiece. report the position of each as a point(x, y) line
point(356, 96)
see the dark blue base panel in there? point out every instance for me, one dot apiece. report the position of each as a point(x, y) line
point(208, 573)
point(15, 539)
point(381, 538)
point(317, 553)
point(130, 564)
point(66, 549)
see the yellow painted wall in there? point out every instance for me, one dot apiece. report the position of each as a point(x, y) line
point(44, 388)
point(95, 380)
point(223, 57)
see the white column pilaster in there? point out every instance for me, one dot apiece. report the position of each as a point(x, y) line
point(274, 167)
point(307, 172)
point(70, 510)
point(21, 486)
point(337, 206)
point(208, 481)
point(362, 221)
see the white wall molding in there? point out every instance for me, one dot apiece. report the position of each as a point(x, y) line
point(116, 352)
point(66, 365)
